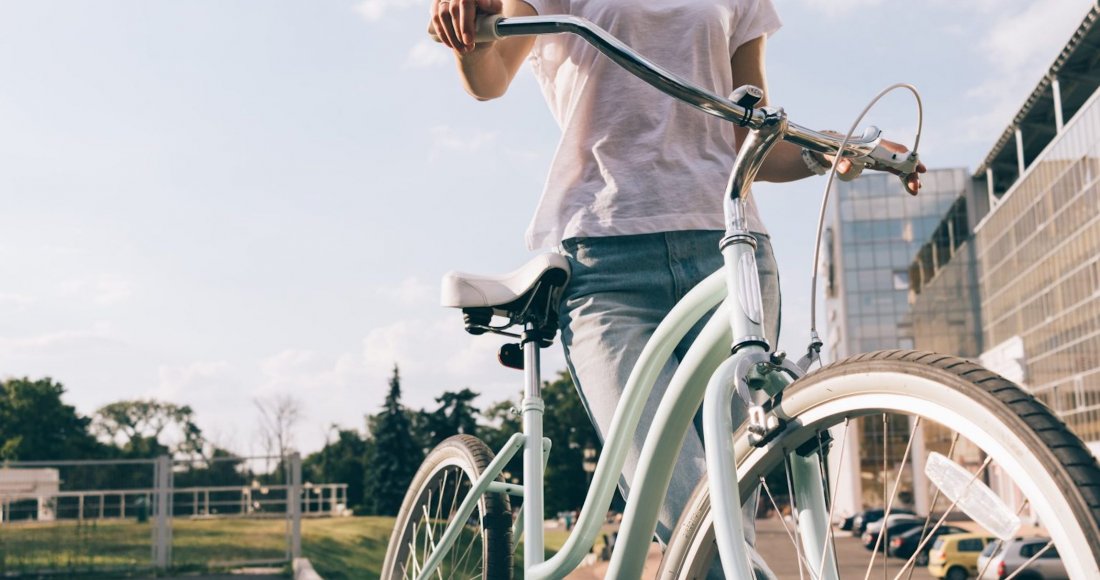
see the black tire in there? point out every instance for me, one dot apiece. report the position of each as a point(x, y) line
point(445, 477)
point(1068, 467)
point(956, 573)
point(921, 559)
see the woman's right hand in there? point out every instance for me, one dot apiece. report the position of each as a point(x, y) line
point(454, 21)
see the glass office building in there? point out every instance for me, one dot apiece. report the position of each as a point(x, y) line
point(1039, 265)
point(1011, 276)
point(1017, 283)
point(874, 228)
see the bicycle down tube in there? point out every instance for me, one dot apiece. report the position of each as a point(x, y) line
point(741, 331)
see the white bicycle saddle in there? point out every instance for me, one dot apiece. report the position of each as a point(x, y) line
point(461, 290)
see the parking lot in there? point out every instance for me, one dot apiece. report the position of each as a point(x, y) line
point(775, 546)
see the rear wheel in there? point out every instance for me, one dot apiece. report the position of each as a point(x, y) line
point(484, 546)
point(994, 428)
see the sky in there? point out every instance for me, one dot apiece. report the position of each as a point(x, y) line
point(222, 201)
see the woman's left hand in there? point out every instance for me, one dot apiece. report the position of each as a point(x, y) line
point(847, 170)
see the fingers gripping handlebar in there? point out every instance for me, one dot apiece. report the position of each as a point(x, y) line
point(866, 148)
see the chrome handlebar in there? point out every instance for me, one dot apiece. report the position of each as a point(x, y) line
point(866, 147)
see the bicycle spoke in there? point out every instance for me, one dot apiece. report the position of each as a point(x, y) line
point(1030, 560)
point(439, 504)
point(932, 507)
point(429, 537)
point(950, 509)
point(881, 539)
point(832, 501)
point(990, 560)
point(466, 553)
point(779, 514)
point(451, 513)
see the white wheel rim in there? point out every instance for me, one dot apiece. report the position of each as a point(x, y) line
point(895, 392)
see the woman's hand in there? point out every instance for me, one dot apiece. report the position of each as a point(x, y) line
point(454, 21)
point(848, 170)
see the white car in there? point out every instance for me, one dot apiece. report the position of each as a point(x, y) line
point(1008, 557)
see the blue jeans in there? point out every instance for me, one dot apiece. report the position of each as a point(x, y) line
point(620, 290)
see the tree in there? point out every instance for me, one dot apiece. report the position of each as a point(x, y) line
point(567, 424)
point(340, 461)
point(36, 425)
point(455, 415)
point(137, 426)
point(503, 421)
point(394, 455)
point(279, 415)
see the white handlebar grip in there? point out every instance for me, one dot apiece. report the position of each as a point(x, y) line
point(485, 29)
point(905, 163)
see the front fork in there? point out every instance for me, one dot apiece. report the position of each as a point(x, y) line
point(729, 402)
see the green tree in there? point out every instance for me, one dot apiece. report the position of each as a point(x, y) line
point(340, 461)
point(36, 425)
point(503, 421)
point(137, 426)
point(454, 415)
point(575, 443)
point(395, 455)
point(574, 440)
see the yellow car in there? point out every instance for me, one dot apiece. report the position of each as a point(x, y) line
point(955, 556)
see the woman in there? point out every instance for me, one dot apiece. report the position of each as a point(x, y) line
point(634, 197)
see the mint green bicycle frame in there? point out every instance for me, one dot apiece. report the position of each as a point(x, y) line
point(709, 373)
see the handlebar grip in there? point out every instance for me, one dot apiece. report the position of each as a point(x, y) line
point(485, 29)
point(883, 158)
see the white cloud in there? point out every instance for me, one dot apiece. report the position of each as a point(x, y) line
point(469, 141)
point(1018, 47)
point(182, 383)
point(104, 290)
point(835, 8)
point(411, 292)
point(374, 10)
point(16, 301)
point(59, 341)
point(427, 54)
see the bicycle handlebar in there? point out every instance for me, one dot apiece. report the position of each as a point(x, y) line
point(867, 148)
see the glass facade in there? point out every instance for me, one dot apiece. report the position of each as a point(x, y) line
point(1038, 257)
point(944, 294)
point(873, 232)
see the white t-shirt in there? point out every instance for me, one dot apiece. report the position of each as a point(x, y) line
point(633, 160)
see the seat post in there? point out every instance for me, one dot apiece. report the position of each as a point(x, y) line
point(532, 410)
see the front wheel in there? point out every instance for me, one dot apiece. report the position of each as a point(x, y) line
point(484, 546)
point(975, 417)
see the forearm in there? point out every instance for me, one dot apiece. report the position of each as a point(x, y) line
point(784, 163)
point(483, 72)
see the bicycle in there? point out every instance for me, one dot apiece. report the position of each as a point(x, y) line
point(779, 413)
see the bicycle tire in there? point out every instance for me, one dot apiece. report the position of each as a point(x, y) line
point(894, 379)
point(460, 460)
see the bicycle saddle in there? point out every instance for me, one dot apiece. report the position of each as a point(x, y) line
point(502, 293)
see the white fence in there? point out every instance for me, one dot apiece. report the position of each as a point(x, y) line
point(95, 515)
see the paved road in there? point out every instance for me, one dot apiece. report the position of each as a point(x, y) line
point(774, 543)
point(775, 546)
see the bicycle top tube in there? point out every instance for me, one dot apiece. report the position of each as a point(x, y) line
point(671, 84)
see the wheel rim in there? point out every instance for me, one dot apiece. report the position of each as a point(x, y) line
point(439, 500)
point(853, 396)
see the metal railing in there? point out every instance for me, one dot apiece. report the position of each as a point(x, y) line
point(161, 513)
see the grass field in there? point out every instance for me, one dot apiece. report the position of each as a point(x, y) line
point(338, 547)
point(354, 547)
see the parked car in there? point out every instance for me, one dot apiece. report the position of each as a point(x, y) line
point(1008, 557)
point(955, 556)
point(894, 525)
point(904, 544)
point(859, 524)
point(846, 522)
